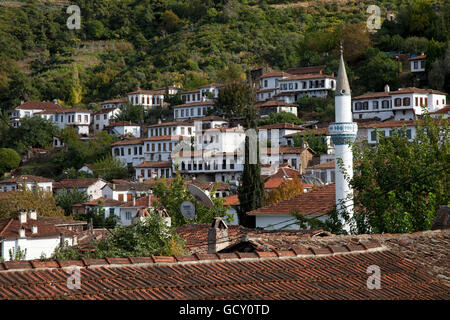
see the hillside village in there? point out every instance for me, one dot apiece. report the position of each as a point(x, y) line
point(170, 172)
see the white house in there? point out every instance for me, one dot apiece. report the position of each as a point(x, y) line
point(159, 148)
point(91, 186)
point(154, 169)
point(297, 157)
point(386, 128)
point(417, 62)
point(124, 128)
point(173, 128)
point(192, 110)
point(128, 212)
point(30, 109)
point(278, 131)
point(129, 151)
point(146, 98)
point(88, 168)
point(311, 85)
point(444, 112)
point(323, 171)
point(275, 106)
point(401, 104)
point(104, 117)
point(207, 92)
point(113, 104)
point(316, 203)
point(31, 237)
point(30, 182)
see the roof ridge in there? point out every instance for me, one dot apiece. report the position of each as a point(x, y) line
point(6, 226)
point(297, 251)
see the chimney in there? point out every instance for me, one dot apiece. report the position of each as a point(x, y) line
point(55, 101)
point(305, 145)
point(22, 232)
point(159, 121)
point(23, 216)
point(34, 229)
point(61, 240)
point(134, 201)
point(32, 214)
point(386, 88)
point(163, 213)
point(114, 186)
point(141, 179)
point(217, 235)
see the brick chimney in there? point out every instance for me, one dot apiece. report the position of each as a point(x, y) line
point(23, 216)
point(22, 232)
point(217, 235)
point(34, 229)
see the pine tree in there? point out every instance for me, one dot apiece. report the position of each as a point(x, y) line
point(251, 191)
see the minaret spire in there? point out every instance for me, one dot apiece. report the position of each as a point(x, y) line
point(343, 132)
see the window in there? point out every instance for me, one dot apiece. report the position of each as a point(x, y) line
point(373, 135)
point(397, 102)
point(153, 147)
point(408, 133)
point(365, 105)
point(129, 151)
point(375, 105)
point(112, 211)
point(385, 104)
point(266, 84)
point(128, 215)
point(97, 117)
point(290, 86)
point(422, 64)
point(421, 101)
point(406, 101)
point(417, 101)
point(121, 197)
point(416, 64)
point(358, 106)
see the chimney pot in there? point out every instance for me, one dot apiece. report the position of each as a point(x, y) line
point(22, 232)
point(217, 236)
point(134, 201)
point(32, 214)
point(386, 88)
point(23, 216)
point(34, 229)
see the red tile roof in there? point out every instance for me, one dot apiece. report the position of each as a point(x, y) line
point(124, 99)
point(443, 110)
point(156, 92)
point(282, 126)
point(127, 142)
point(172, 123)
point(395, 92)
point(316, 202)
point(275, 74)
point(155, 164)
point(325, 165)
point(274, 183)
point(306, 70)
point(142, 202)
point(104, 201)
point(9, 229)
point(232, 200)
point(106, 110)
point(318, 131)
point(327, 272)
point(307, 76)
point(75, 183)
point(164, 138)
point(419, 57)
point(286, 150)
point(195, 104)
point(123, 124)
point(26, 179)
point(36, 105)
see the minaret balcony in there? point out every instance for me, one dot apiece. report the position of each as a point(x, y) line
point(343, 132)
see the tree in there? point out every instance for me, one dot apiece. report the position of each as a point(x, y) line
point(171, 193)
point(286, 190)
point(147, 237)
point(110, 168)
point(315, 141)
point(400, 184)
point(169, 21)
point(67, 198)
point(97, 216)
point(377, 62)
point(131, 113)
point(235, 100)
point(281, 117)
point(42, 201)
point(9, 159)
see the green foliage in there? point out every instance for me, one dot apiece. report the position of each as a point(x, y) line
point(321, 109)
point(97, 216)
point(316, 142)
point(172, 194)
point(67, 198)
point(235, 100)
point(401, 184)
point(17, 254)
point(280, 117)
point(33, 132)
point(9, 159)
point(132, 113)
point(109, 168)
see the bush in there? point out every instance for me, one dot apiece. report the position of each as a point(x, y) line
point(9, 159)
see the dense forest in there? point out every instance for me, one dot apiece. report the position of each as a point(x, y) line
point(128, 44)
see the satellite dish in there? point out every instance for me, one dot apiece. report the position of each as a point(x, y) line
point(188, 210)
point(200, 195)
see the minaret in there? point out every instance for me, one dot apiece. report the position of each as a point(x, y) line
point(343, 132)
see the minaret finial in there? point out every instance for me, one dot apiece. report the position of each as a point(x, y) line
point(341, 48)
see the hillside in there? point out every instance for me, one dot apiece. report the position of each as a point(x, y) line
point(126, 44)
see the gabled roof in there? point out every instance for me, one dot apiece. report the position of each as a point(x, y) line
point(37, 105)
point(325, 165)
point(232, 200)
point(76, 183)
point(419, 57)
point(316, 202)
point(275, 74)
point(119, 100)
point(195, 104)
point(142, 202)
point(317, 131)
point(155, 164)
point(172, 123)
point(9, 229)
point(306, 70)
point(306, 77)
point(106, 110)
point(103, 201)
point(127, 142)
point(282, 126)
point(327, 268)
point(443, 110)
point(274, 103)
point(164, 138)
point(156, 92)
point(287, 150)
point(123, 124)
point(26, 178)
point(395, 92)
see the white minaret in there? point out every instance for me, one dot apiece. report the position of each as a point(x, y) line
point(343, 132)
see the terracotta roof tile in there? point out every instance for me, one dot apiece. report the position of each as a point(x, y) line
point(75, 183)
point(317, 202)
point(282, 126)
point(195, 104)
point(155, 164)
point(325, 165)
point(232, 200)
point(26, 179)
point(127, 142)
